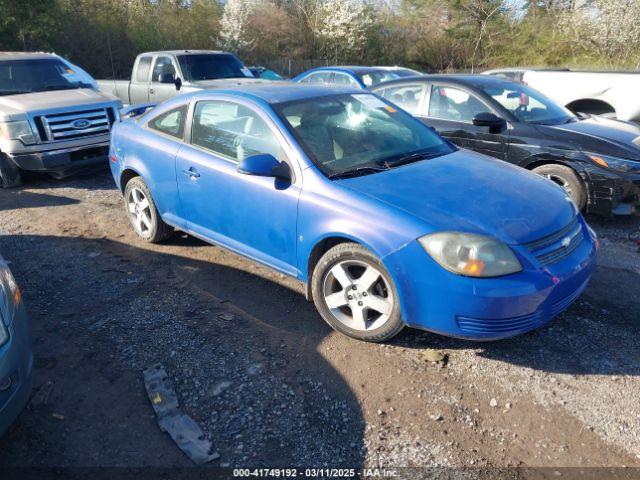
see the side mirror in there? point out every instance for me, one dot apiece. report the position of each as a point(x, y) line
point(264, 165)
point(491, 120)
point(167, 78)
point(178, 83)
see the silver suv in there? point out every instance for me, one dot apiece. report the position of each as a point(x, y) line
point(52, 117)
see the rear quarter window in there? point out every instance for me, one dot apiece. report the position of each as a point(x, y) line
point(142, 72)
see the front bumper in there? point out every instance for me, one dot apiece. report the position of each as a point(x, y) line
point(62, 162)
point(612, 193)
point(437, 300)
point(16, 367)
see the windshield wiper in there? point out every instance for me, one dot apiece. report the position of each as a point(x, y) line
point(50, 88)
point(357, 172)
point(411, 157)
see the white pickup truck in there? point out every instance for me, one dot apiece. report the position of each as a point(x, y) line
point(612, 94)
point(158, 76)
point(52, 118)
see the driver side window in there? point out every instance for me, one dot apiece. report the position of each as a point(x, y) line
point(233, 131)
point(163, 66)
point(447, 103)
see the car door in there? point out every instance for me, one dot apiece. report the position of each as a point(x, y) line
point(160, 88)
point(255, 216)
point(139, 85)
point(450, 110)
point(159, 142)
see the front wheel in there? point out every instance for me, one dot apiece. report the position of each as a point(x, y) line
point(143, 214)
point(355, 294)
point(568, 179)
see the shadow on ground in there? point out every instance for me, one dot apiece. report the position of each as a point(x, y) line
point(241, 350)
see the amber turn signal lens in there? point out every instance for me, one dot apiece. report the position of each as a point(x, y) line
point(474, 267)
point(17, 296)
point(599, 160)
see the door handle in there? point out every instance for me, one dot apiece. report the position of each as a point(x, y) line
point(152, 91)
point(191, 172)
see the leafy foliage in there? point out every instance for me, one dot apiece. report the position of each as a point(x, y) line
point(104, 36)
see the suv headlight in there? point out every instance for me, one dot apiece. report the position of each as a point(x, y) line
point(20, 130)
point(615, 163)
point(471, 255)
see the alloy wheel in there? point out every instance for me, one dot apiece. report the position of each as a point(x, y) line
point(358, 295)
point(140, 211)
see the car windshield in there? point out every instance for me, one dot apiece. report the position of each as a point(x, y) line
point(359, 133)
point(374, 77)
point(37, 75)
point(208, 66)
point(527, 104)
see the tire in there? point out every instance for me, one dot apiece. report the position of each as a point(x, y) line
point(143, 214)
point(9, 173)
point(568, 179)
point(355, 294)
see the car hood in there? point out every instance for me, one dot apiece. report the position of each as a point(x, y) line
point(600, 135)
point(469, 192)
point(14, 106)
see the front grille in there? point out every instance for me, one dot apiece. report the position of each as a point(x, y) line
point(559, 245)
point(479, 326)
point(56, 127)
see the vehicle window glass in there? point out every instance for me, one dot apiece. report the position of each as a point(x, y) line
point(163, 66)
point(197, 67)
point(37, 75)
point(344, 79)
point(171, 122)
point(405, 96)
point(345, 132)
point(232, 130)
point(528, 105)
point(318, 78)
point(449, 103)
point(142, 73)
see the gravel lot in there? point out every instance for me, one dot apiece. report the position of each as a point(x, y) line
point(270, 383)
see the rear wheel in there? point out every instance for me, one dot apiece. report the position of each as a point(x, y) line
point(355, 295)
point(568, 179)
point(143, 214)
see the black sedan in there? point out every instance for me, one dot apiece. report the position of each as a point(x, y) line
point(596, 160)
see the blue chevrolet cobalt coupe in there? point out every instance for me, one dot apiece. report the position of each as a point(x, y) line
point(387, 223)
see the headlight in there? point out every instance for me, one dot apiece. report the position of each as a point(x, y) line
point(615, 163)
point(471, 255)
point(12, 295)
point(20, 130)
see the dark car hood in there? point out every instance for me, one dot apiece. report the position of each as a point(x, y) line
point(600, 135)
point(469, 192)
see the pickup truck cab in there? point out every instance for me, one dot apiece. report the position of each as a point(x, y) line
point(158, 76)
point(52, 117)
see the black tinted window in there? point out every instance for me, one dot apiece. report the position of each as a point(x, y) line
point(171, 122)
point(142, 73)
point(207, 66)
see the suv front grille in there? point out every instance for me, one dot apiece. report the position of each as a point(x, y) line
point(559, 245)
point(56, 127)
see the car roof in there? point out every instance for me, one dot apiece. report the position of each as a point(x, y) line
point(273, 93)
point(355, 69)
point(185, 52)
point(461, 79)
point(25, 55)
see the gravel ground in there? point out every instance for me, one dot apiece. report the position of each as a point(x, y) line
point(270, 383)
